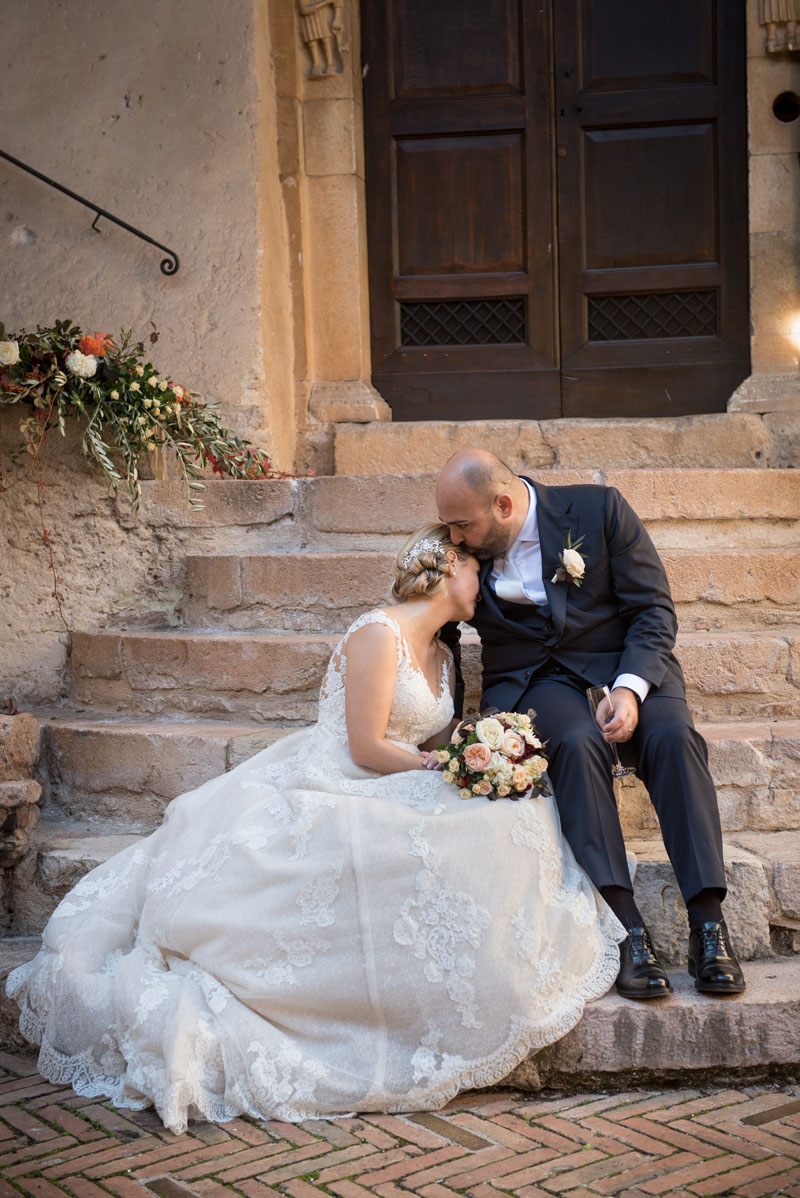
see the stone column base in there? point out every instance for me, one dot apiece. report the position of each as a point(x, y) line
point(354, 401)
point(762, 393)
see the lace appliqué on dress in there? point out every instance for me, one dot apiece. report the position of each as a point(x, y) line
point(437, 924)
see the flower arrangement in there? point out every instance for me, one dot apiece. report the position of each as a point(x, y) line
point(499, 757)
point(127, 407)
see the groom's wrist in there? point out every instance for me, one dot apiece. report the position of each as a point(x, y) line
point(640, 687)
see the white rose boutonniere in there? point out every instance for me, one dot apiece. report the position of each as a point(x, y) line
point(573, 562)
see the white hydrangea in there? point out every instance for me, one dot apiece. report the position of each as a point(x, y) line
point(84, 365)
point(9, 353)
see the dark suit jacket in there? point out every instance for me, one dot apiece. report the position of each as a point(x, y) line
point(620, 620)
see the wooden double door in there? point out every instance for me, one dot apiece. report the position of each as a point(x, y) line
point(557, 206)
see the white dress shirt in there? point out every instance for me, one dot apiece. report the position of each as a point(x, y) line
point(517, 576)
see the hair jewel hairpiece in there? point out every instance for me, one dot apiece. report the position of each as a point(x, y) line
point(428, 545)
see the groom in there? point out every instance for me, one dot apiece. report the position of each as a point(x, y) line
point(555, 620)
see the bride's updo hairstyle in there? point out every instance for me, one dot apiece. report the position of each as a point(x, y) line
point(421, 566)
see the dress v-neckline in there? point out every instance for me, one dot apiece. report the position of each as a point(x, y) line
point(417, 668)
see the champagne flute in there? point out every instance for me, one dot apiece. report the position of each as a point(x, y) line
point(595, 696)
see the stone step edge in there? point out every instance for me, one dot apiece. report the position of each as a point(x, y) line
point(618, 1042)
point(327, 503)
point(780, 632)
point(309, 551)
point(95, 719)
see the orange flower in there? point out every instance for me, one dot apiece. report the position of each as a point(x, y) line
point(97, 345)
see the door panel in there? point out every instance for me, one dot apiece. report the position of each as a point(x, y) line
point(667, 173)
point(437, 233)
point(463, 48)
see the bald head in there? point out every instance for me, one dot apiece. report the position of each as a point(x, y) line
point(482, 500)
point(477, 471)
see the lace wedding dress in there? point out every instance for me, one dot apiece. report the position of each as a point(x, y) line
point(303, 937)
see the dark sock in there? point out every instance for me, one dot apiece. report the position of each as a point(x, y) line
point(705, 907)
point(622, 903)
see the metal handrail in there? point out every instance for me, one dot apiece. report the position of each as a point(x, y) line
point(169, 266)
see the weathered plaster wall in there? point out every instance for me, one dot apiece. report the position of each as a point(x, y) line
point(164, 114)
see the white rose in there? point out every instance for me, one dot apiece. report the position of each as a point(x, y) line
point(142, 420)
point(139, 370)
point(490, 732)
point(83, 365)
point(115, 394)
point(574, 564)
point(153, 380)
point(9, 353)
point(465, 793)
point(162, 386)
point(135, 387)
point(148, 403)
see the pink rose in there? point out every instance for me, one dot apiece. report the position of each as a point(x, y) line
point(513, 744)
point(486, 787)
point(477, 756)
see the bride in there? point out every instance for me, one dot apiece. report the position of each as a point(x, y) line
point(329, 927)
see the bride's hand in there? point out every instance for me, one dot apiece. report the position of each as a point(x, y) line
point(430, 760)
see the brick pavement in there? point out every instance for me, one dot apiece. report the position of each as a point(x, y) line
point(641, 1144)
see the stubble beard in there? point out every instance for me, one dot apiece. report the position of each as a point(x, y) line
point(494, 544)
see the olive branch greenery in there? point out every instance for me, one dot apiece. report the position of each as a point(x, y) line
point(127, 408)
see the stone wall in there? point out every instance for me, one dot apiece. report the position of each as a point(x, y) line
point(164, 114)
point(112, 567)
point(774, 148)
point(19, 794)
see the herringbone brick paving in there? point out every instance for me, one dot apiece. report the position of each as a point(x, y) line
point(641, 1144)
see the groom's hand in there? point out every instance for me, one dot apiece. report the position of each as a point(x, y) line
point(618, 715)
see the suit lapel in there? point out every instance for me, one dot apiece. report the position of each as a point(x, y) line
point(552, 516)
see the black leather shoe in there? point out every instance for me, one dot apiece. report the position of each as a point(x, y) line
point(711, 960)
point(641, 974)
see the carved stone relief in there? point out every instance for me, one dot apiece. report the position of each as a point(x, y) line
point(322, 31)
point(780, 19)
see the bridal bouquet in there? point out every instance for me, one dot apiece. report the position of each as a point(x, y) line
point(499, 757)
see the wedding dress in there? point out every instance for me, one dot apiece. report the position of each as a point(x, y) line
point(302, 937)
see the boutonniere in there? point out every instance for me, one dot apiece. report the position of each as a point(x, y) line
point(573, 562)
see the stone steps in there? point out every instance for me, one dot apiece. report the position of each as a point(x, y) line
point(126, 770)
point(407, 447)
point(682, 508)
point(325, 590)
point(762, 909)
point(687, 1037)
point(754, 675)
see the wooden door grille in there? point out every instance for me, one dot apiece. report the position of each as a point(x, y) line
point(463, 322)
point(653, 316)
